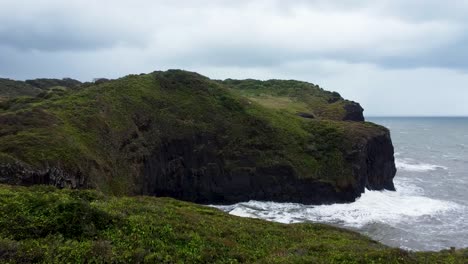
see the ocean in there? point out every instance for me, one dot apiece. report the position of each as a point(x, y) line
point(429, 210)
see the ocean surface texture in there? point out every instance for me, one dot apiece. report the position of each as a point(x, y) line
point(429, 210)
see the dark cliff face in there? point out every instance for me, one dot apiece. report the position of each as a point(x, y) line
point(191, 170)
point(18, 174)
point(354, 112)
point(380, 163)
point(373, 162)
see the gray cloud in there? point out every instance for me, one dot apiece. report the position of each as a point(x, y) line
point(66, 25)
point(315, 40)
point(387, 33)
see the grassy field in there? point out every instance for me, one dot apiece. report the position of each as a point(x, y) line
point(45, 225)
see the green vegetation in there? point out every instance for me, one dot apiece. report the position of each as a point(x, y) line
point(105, 130)
point(293, 96)
point(11, 88)
point(46, 225)
point(44, 83)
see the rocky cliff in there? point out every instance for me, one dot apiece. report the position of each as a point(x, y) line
point(191, 170)
point(183, 135)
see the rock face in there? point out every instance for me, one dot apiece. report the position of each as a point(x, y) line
point(191, 170)
point(18, 174)
point(353, 112)
point(380, 163)
point(374, 163)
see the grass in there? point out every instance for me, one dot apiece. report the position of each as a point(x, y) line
point(279, 102)
point(46, 225)
point(292, 96)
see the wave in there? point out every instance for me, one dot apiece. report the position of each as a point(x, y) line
point(409, 165)
point(386, 207)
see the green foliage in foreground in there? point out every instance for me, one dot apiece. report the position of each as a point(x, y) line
point(44, 224)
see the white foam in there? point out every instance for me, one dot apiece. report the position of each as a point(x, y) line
point(409, 165)
point(388, 207)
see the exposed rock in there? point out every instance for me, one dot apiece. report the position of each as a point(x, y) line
point(354, 112)
point(306, 115)
point(17, 174)
point(192, 170)
point(374, 163)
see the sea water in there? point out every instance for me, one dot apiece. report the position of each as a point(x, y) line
point(429, 210)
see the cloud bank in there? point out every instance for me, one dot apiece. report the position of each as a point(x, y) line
point(395, 57)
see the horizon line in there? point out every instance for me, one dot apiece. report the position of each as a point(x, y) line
point(418, 116)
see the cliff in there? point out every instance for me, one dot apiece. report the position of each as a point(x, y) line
point(183, 135)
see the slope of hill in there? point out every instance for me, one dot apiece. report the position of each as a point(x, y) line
point(45, 225)
point(183, 135)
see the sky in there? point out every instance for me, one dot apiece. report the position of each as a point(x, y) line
point(395, 57)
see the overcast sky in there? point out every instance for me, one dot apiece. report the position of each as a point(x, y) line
point(395, 57)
